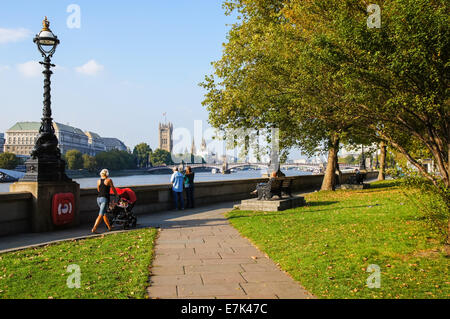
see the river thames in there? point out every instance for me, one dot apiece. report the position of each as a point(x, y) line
point(165, 179)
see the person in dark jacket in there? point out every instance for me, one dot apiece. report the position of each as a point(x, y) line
point(189, 187)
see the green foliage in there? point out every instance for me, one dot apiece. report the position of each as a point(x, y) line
point(349, 159)
point(328, 245)
point(314, 69)
point(161, 157)
point(115, 266)
point(433, 201)
point(89, 163)
point(115, 160)
point(142, 152)
point(74, 159)
point(8, 161)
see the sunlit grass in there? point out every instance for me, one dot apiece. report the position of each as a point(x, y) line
point(112, 266)
point(328, 245)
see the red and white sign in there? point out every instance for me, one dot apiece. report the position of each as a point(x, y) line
point(63, 208)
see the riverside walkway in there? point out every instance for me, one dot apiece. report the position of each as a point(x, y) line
point(198, 254)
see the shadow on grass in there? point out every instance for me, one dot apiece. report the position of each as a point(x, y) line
point(245, 214)
point(322, 203)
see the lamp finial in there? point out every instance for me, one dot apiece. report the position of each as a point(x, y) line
point(46, 25)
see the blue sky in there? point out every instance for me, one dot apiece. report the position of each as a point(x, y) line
point(129, 62)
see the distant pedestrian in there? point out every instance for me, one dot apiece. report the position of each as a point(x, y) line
point(104, 185)
point(177, 188)
point(189, 187)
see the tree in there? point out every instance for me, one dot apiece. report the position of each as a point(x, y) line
point(8, 161)
point(161, 157)
point(320, 59)
point(89, 163)
point(142, 152)
point(115, 160)
point(396, 75)
point(74, 159)
point(270, 77)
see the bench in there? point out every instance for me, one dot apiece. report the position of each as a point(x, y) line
point(275, 186)
point(356, 179)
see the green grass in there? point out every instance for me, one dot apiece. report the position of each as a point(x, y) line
point(112, 266)
point(328, 244)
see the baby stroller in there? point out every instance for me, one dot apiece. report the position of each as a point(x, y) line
point(121, 213)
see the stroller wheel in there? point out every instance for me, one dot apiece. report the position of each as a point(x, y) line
point(133, 224)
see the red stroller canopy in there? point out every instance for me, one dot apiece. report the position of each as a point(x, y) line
point(126, 193)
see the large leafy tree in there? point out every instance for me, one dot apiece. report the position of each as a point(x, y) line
point(161, 157)
point(74, 159)
point(89, 163)
point(269, 76)
point(315, 70)
point(397, 75)
point(142, 152)
point(115, 160)
point(8, 161)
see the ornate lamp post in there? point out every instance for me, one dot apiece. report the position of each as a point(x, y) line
point(362, 164)
point(46, 164)
point(55, 198)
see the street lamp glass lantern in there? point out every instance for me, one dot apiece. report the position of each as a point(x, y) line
point(46, 41)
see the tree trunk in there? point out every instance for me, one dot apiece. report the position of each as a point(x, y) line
point(329, 180)
point(382, 169)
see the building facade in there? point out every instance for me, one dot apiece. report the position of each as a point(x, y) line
point(20, 139)
point(95, 142)
point(165, 137)
point(71, 138)
point(2, 142)
point(112, 143)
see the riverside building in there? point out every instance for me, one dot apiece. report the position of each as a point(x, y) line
point(20, 139)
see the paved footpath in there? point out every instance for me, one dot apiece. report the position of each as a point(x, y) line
point(198, 254)
point(202, 256)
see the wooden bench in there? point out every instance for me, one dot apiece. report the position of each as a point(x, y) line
point(286, 186)
point(356, 179)
point(275, 186)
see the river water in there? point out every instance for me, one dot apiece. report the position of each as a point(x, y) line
point(165, 179)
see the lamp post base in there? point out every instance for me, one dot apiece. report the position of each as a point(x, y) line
point(45, 170)
point(40, 210)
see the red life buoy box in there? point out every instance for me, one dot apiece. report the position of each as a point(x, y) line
point(63, 208)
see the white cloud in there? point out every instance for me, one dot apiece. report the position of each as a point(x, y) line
point(90, 68)
point(30, 69)
point(13, 35)
point(4, 68)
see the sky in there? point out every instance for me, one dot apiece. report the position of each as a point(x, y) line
point(127, 63)
point(119, 67)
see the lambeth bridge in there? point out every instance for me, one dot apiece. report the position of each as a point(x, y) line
point(318, 168)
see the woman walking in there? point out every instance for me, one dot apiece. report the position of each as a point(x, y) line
point(189, 186)
point(104, 185)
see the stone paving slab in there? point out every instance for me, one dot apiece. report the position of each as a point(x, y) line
point(197, 259)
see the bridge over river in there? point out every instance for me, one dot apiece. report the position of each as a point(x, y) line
point(246, 166)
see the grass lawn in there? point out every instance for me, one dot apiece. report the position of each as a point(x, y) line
point(111, 266)
point(328, 245)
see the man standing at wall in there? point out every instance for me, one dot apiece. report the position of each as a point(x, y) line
point(177, 188)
